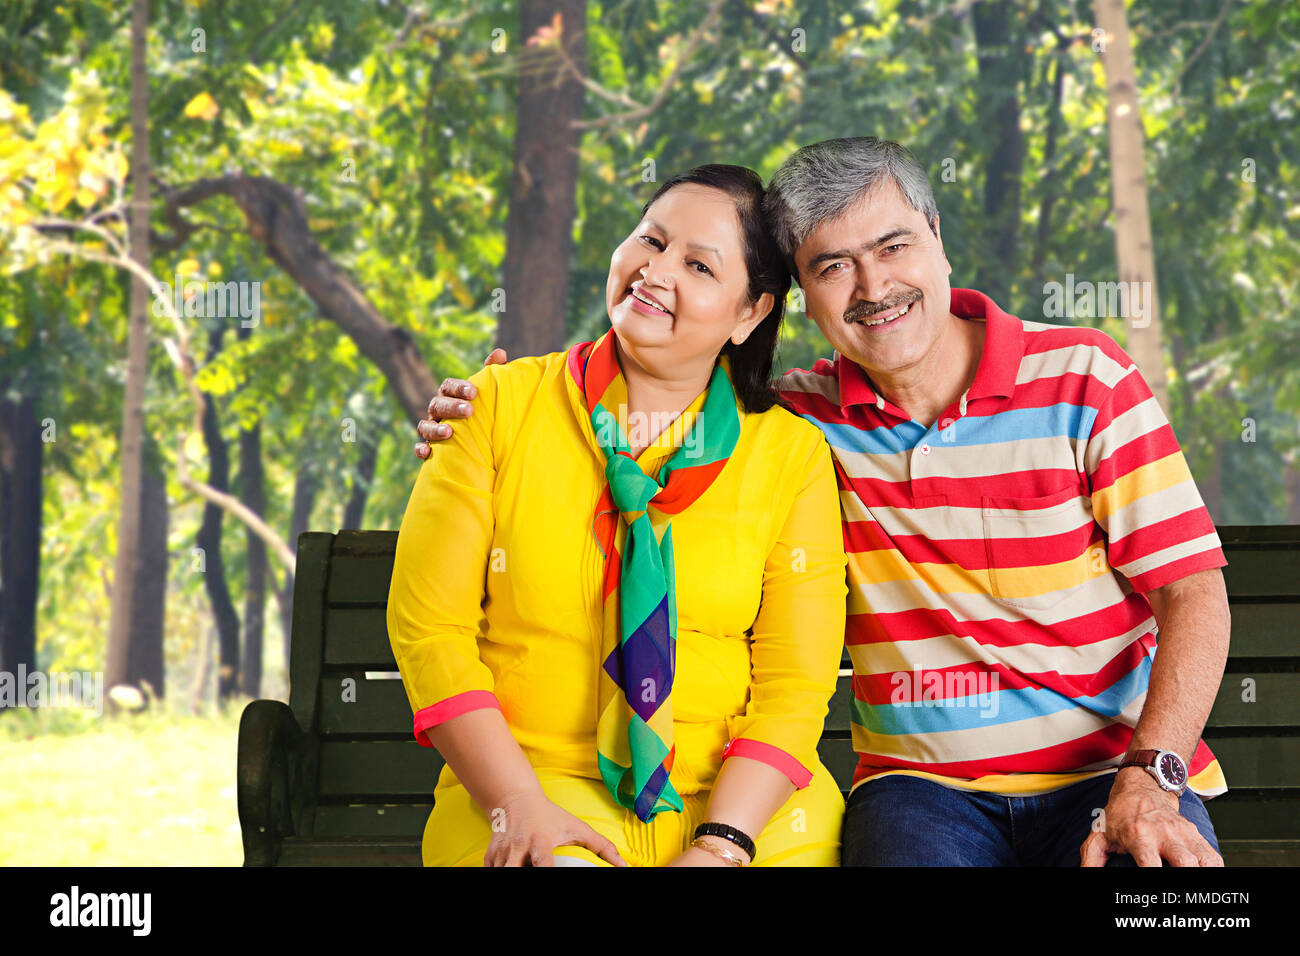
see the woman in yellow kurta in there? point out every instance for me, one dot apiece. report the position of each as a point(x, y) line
point(498, 615)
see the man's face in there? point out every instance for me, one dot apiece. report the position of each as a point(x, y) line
point(876, 283)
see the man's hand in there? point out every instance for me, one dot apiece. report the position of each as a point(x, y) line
point(1142, 820)
point(448, 404)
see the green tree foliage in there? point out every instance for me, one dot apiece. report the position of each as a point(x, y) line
point(394, 123)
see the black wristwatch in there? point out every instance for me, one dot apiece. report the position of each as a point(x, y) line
point(1165, 765)
point(727, 832)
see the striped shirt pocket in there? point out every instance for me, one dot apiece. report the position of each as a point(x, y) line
point(1039, 550)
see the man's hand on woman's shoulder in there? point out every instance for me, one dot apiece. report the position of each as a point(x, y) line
point(454, 400)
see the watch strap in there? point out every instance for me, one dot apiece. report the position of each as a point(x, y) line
point(1140, 758)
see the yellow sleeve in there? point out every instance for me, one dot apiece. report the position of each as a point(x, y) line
point(435, 600)
point(798, 636)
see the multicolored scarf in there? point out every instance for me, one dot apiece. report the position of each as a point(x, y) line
point(634, 731)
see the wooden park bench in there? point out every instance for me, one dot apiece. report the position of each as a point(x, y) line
point(336, 778)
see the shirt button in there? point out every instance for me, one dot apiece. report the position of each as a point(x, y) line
point(925, 449)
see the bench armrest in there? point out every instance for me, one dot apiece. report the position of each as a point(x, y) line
point(269, 778)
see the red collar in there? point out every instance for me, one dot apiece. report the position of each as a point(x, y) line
point(1004, 347)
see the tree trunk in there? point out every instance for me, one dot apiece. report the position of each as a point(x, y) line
point(1001, 60)
point(539, 224)
point(202, 665)
point(253, 494)
point(305, 487)
point(21, 456)
point(1050, 176)
point(125, 567)
point(209, 540)
point(145, 663)
point(1134, 252)
point(355, 510)
point(252, 487)
point(1291, 480)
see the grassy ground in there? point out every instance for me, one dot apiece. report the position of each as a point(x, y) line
point(137, 790)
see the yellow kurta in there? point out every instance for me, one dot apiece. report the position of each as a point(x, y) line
point(496, 591)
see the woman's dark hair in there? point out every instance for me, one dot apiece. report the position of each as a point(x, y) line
point(751, 361)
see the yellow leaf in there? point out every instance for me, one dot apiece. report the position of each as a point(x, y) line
point(117, 168)
point(458, 289)
point(62, 195)
point(214, 269)
point(188, 267)
point(203, 107)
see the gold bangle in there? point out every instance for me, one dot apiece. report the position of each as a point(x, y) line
point(719, 852)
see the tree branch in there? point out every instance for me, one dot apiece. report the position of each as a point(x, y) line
point(1214, 28)
point(641, 112)
point(746, 9)
point(276, 216)
point(178, 349)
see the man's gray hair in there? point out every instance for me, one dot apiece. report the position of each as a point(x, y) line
point(821, 182)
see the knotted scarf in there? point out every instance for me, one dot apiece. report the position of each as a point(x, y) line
point(633, 523)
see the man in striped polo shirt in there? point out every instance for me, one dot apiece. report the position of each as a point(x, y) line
point(1020, 521)
point(1019, 518)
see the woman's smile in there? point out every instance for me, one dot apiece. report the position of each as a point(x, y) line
point(646, 303)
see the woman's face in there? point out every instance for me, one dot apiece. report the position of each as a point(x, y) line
point(678, 285)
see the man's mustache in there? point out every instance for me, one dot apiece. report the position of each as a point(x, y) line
point(866, 309)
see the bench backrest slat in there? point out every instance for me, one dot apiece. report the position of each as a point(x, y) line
point(374, 780)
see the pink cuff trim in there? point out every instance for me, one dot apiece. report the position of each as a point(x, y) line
point(445, 710)
point(799, 775)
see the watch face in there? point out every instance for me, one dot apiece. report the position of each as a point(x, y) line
point(1172, 769)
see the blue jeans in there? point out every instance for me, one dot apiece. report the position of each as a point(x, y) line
point(899, 820)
